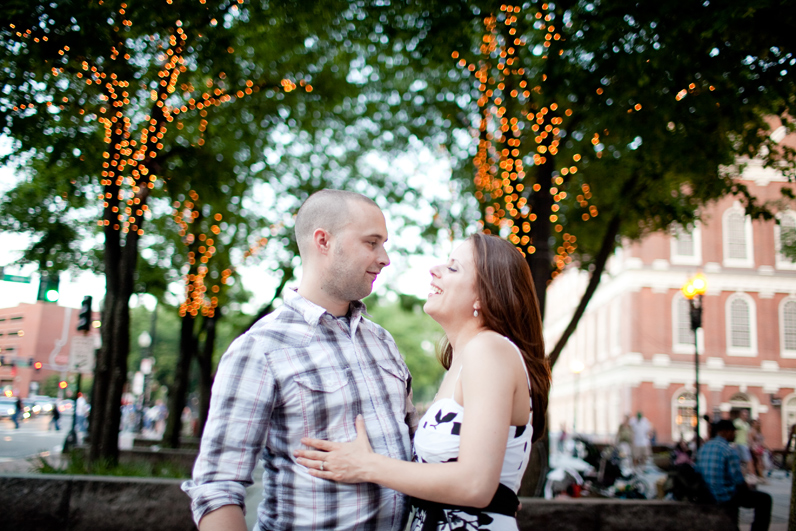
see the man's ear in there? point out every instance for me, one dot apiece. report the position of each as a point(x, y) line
point(322, 241)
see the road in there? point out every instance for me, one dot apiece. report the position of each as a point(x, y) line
point(31, 439)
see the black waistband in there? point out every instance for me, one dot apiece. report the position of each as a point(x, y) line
point(504, 501)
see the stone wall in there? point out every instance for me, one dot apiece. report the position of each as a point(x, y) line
point(36, 502)
point(595, 514)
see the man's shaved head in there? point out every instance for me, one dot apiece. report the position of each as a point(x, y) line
point(328, 210)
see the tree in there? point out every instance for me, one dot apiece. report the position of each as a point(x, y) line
point(144, 84)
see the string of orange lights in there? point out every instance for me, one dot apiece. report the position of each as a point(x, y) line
point(127, 173)
point(201, 248)
point(500, 171)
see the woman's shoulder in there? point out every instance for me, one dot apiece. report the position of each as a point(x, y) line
point(488, 348)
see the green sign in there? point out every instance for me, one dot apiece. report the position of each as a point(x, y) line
point(16, 278)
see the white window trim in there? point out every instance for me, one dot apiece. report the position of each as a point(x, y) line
point(751, 351)
point(674, 404)
point(681, 259)
point(780, 261)
point(682, 348)
point(784, 418)
point(747, 262)
point(781, 314)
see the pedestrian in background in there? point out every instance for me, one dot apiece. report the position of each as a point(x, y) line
point(81, 410)
point(642, 449)
point(742, 427)
point(56, 416)
point(18, 412)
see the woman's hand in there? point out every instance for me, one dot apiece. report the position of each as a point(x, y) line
point(342, 462)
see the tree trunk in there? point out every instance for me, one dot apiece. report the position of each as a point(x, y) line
point(539, 262)
point(178, 390)
point(111, 367)
point(206, 368)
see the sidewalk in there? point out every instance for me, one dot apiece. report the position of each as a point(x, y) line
point(779, 487)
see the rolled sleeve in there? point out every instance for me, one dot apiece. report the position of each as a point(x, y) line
point(242, 402)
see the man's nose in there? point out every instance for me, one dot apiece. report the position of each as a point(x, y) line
point(384, 258)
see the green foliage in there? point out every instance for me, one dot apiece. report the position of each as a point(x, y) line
point(416, 335)
point(788, 239)
point(49, 387)
point(77, 464)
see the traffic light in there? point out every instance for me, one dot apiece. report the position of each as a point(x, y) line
point(62, 384)
point(48, 288)
point(84, 318)
point(37, 366)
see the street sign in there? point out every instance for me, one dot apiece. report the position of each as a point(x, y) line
point(81, 354)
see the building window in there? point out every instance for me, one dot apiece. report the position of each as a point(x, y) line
point(788, 416)
point(684, 417)
point(737, 232)
point(785, 235)
point(686, 248)
point(741, 322)
point(787, 328)
point(683, 336)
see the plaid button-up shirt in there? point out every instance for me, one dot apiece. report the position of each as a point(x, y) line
point(301, 372)
point(720, 467)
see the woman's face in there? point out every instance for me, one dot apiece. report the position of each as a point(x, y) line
point(453, 295)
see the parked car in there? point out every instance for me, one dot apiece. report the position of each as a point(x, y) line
point(8, 405)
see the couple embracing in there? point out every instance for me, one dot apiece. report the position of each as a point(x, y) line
point(323, 397)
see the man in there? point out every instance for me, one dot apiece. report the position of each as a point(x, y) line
point(720, 467)
point(642, 449)
point(307, 370)
point(742, 426)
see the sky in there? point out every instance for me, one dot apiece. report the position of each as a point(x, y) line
point(406, 274)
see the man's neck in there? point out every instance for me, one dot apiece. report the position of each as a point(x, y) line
point(316, 295)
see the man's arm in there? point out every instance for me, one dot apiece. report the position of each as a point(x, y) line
point(226, 518)
point(242, 401)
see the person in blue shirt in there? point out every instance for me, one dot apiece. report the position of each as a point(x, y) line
point(720, 467)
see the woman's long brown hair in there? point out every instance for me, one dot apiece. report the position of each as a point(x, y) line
point(509, 307)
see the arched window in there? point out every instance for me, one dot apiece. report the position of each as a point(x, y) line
point(785, 236)
point(741, 322)
point(683, 415)
point(682, 335)
point(788, 416)
point(787, 328)
point(686, 248)
point(737, 236)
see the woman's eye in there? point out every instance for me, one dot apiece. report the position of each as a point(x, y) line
point(451, 269)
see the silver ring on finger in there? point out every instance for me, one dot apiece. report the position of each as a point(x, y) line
point(321, 466)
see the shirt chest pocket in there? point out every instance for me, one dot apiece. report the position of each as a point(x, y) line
point(395, 380)
point(324, 398)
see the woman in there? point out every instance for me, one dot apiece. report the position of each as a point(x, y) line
point(473, 444)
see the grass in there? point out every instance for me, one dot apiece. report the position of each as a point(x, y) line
point(77, 464)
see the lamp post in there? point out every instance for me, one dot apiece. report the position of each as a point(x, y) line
point(576, 366)
point(694, 290)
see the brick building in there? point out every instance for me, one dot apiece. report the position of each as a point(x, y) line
point(634, 346)
point(30, 333)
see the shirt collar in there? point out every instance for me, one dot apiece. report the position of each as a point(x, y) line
point(312, 313)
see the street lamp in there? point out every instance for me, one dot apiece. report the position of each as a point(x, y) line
point(693, 290)
point(576, 366)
